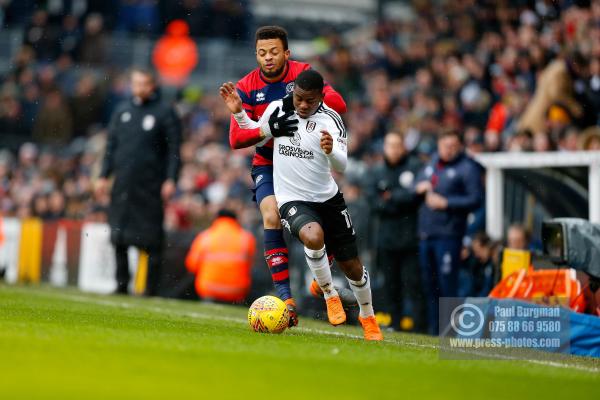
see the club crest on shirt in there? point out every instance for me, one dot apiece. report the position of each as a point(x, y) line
point(148, 122)
point(289, 88)
point(295, 140)
point(310, 126)
point(260, 96)
point(126, 116)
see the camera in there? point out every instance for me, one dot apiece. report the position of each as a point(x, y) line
point(575, 243)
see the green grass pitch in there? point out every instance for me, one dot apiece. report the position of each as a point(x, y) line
point(63, 344)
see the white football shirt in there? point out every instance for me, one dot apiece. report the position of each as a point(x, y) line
point(301, 169)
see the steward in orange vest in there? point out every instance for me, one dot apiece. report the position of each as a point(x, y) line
point(175, 55)
point(221, 257)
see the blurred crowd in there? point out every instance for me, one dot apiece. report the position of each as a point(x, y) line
point(515, 76)
point(475, 66)
point(63, 23)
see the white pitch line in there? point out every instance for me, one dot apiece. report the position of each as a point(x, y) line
point(194, 314)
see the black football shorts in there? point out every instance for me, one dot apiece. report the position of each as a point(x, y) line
point(334, 218)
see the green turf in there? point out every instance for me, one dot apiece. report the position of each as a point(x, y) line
point(67, 345)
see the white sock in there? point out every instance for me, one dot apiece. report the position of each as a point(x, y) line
point(319, 265)
point(362, 292)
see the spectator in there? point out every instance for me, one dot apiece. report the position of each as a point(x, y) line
point(221, 258)
point(483, 266)
point(175, 70)
point(54, 123)
point(42, 37)
point(56, 205)
point(590, 139)
point(40, 207)
point(568, 139)
point(520, 142)
point(94, 44)
point(395, 206)
point(70, 36)
point(517, 237)
point(556, 85)
point(142, 153)
point(12, 120)
point(86, 104)
point(452, 188)
point(542, 142)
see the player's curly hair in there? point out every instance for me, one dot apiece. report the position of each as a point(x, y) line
point(272, 32)
point(310, 80)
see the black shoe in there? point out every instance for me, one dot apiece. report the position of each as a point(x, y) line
point(121, 290)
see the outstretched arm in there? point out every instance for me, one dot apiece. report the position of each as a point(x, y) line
point(243, 131)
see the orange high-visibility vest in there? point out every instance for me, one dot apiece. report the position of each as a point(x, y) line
point(221, 257)
point(175, 55)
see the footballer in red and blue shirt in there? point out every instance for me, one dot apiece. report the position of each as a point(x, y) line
point(272, 80)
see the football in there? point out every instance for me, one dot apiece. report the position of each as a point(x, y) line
point(268, 314)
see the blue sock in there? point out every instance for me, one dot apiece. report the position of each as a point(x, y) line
point(276, 256)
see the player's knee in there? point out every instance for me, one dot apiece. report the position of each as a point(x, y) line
point(270, 213)
point(312, 236)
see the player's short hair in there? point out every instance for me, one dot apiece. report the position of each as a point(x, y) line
point(272, 32)
point(144, 71)
point(310, 80)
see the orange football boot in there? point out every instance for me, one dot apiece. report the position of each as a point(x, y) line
point(335, 311)
point(291, 306)
point(371, 328)
point(348, 298)
point(315, 289)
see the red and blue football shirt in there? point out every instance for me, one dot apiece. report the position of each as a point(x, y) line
point(257, 92)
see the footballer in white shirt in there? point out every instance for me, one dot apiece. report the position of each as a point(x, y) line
point(310, 204)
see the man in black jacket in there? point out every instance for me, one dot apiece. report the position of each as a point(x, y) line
point(394, 203)
point(142, 152)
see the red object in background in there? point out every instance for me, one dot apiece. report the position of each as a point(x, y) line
point(497, 119)
point(570, 30)
point(202, 181)
point(181, 215)
point(175, 54)
point(549, 287)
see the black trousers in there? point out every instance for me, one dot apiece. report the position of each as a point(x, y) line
point(402, 286)
point(155, 260)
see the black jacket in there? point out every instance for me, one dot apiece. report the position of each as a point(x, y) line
point(142, 151)
point(396, 217)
